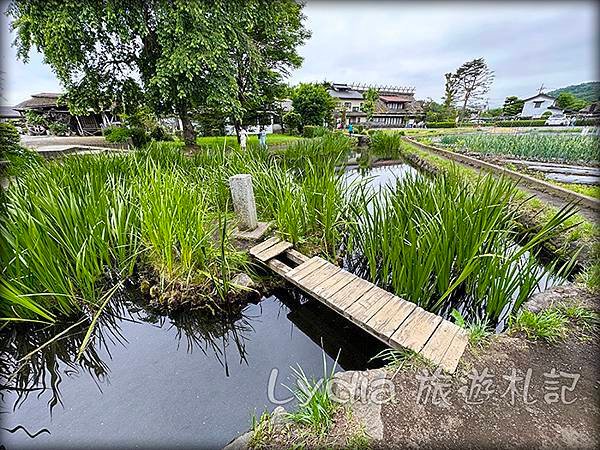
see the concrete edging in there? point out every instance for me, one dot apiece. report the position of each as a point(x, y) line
point(532, 182)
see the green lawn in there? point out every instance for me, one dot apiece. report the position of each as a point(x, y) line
point(272, 139)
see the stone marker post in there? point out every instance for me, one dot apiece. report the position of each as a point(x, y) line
point(243, 201)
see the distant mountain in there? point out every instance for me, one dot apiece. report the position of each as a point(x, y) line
point(589, 91)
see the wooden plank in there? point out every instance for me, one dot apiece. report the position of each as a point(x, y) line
point(278, 267)
point(312, 281)
point(364, 308)
point(334, 284)
point(264, 245)
point(301, 275)
point(295, 256)
point(337, 298)
point(387, 320)
point(304, 266)
point(273, 251)
point(350, 293)
point(326, 288)
point(416, 331)
point(440, 341)
point(457, 347)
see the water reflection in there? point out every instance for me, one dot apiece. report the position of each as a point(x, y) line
point(150, 379)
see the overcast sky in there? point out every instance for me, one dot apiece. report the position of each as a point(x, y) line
point(414, 44)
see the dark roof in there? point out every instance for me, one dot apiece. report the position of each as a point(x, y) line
point(8, 112)
point(41, 100)
point(591, 108)
point(539, 95)
point(345, 94)
point(396, 98)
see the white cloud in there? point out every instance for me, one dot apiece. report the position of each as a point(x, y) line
point(414, 44)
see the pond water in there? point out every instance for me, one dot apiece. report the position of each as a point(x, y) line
point(151, 380)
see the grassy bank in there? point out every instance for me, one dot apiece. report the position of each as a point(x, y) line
point(71, 229)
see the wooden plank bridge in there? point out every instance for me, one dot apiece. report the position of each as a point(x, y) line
point(398, 323)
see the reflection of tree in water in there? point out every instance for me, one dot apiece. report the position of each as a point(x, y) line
point(23, 370)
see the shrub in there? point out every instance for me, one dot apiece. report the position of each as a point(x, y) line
point(441, 124)
point(58, 128)
point(159, 133)
point(521, 123)
point(587, 122)
point(292, 121)
point(9, 138)
point(386, 144)
point(311, 131)
point(116, 134)
point(139, 137)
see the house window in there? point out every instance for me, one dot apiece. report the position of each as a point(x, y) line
point(538, 104)
point(355, 108)
point(348, 104)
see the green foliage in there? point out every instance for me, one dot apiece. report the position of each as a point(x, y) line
point(315, 404)
point(9, 138)
point(311, 131)
point(429, 241)
point(562, 147)
point(35, 118)
point(590, 91)
point(494, 112)
point(105, 215)
point(292, 121)
point(397, 360)
point(512, 106)
point(386, 144)
point(116, 134)
point(178, 55)
point(479, 329)
point(434, 112)
point(521, 123)
point(58, 128)
point(549, 325)
point(587, 122)
point(441, 124)
point(370, 99)
point(566, 100)
point(313, 103)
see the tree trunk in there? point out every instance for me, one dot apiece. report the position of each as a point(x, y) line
point(238, 128)
point(189, 134)
point(464, 108)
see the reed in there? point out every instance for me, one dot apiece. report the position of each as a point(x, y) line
point(442, 241)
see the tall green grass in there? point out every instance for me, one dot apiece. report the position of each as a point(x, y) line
point(569, 148)
point(386, 144)
point(437, 242)
point(72, 228)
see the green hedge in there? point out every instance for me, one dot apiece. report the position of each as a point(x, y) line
point(441, 124)
point(521, 123)
point(587, 122)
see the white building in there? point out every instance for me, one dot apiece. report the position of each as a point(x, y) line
point(537, 105)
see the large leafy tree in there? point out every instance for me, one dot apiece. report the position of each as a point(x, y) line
point(513, 105)
point(566, 100)
point(313, 103)
point(371, 95)
point(177, 56)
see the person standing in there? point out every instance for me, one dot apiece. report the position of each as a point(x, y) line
point(262, 137)
point(243, 138)
point(350, 129)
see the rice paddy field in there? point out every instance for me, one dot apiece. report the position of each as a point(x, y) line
point(567, 147)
